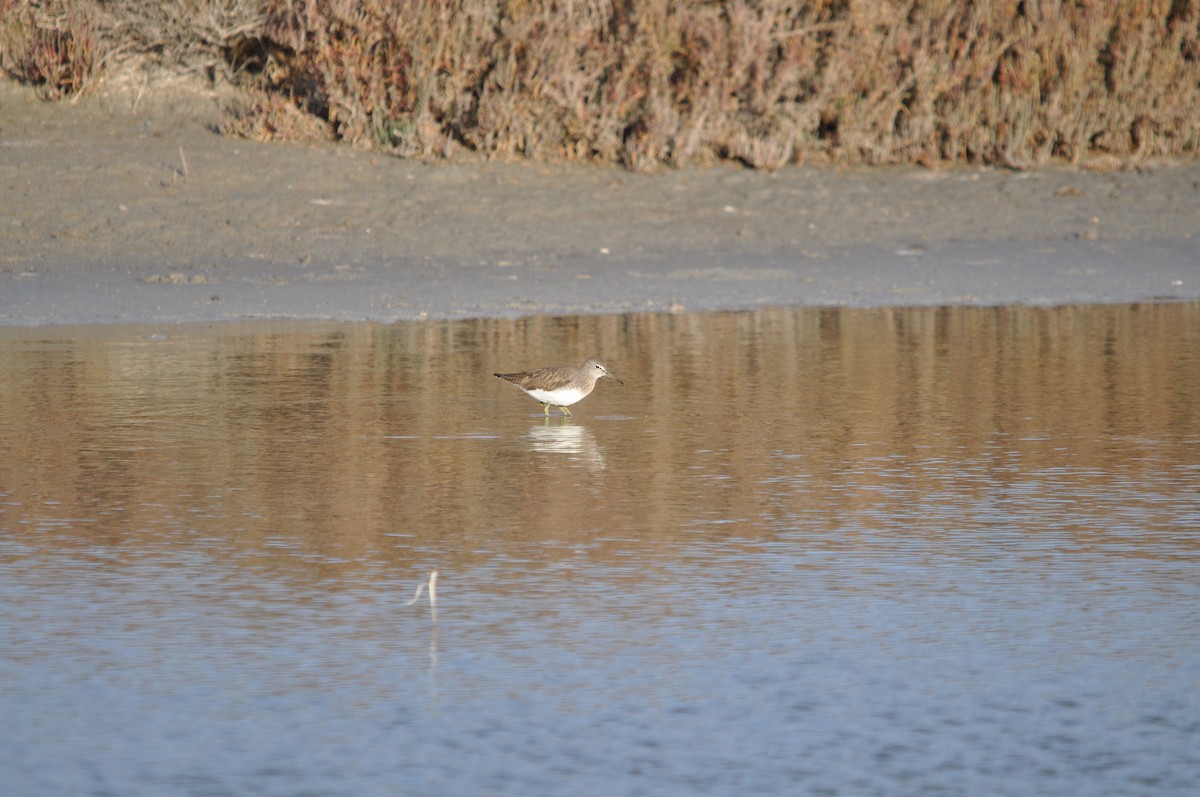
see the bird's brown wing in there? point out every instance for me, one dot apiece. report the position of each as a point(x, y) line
point(543, 378)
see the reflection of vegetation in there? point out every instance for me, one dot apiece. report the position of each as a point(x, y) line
point(663, 82)
point(362, 441)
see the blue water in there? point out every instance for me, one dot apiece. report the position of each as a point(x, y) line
point(204, 565)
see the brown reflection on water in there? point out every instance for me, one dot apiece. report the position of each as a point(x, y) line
point(323, 447)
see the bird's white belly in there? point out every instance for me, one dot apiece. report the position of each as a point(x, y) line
point(559, 398)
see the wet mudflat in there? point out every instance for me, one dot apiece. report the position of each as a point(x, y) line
point(874, 551)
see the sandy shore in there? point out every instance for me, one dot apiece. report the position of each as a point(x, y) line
point(119, 209)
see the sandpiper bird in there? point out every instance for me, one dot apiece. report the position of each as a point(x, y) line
point(560, 385)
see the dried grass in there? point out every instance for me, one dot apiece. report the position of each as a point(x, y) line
point(54, 48)
point(646, 82)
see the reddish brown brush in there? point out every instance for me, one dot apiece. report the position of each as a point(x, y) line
point(646, 82)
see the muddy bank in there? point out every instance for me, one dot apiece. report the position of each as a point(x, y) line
point(119, 208)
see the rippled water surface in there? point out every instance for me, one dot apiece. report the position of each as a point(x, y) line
point(838, 552)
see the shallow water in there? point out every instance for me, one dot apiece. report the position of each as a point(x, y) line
point(926, 551)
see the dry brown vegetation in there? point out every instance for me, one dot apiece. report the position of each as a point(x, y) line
point(644, 82)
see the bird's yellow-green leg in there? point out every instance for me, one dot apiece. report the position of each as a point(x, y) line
point(546, 409)
point(566, 412)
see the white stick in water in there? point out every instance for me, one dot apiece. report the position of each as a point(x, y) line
point(432, 584)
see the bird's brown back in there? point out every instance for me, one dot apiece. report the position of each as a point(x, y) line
point(550, 378)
